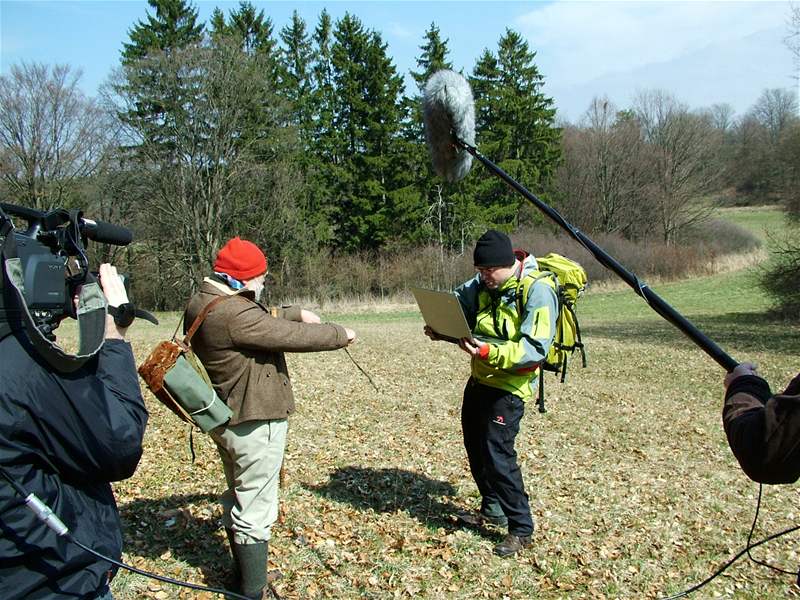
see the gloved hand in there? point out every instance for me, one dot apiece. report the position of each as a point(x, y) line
point(745, 368)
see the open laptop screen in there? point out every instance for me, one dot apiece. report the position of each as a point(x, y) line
point(442, 312)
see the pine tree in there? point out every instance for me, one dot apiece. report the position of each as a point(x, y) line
point(322, 142)
point(474, 199)
point(156, 99)
point(365, 126)
point(323, 94)
point(428, 214)
point(385, 154)
point(322, 69)
point(485, 82)
point(252, 30)
point(515, 124)
point(296, 83)
point(527, 119)
point(173, 26)
point(433, 57)
point(350, 202)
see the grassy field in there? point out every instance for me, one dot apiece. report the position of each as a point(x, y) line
point(633, 489)
point(762, 221)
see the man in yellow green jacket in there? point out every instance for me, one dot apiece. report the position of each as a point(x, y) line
point(512, 315)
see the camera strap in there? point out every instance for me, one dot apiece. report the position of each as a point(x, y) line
point(91, 310)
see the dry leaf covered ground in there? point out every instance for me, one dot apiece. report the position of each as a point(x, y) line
point(634, 491)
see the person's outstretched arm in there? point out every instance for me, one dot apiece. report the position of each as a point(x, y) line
point(763, 429)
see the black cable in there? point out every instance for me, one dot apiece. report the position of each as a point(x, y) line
point(44, 514)
point(227, 594)
point(750, 537)
point(191, 586)
point(730, 562)
point(17, 487)
point(746, 550)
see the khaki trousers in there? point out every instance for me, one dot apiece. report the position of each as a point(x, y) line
point(251, 453)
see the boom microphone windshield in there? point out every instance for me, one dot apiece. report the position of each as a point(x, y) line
point(448, 112)
point(449, 116)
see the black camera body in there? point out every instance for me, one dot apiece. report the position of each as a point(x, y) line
point(46, 294)
point(52, 253)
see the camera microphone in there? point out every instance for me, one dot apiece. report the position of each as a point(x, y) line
point(105, 232)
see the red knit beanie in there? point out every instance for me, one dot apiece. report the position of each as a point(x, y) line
point(241, 259)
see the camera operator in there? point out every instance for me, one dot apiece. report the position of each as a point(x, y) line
point(763, 429)
point(65, 437)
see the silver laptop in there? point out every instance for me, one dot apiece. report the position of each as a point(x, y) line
point(442, 312)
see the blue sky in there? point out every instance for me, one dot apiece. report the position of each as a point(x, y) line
point(702, 52)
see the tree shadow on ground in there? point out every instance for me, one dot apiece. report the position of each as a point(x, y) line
point(152, 527)
point(390, 490)
point(745, 332)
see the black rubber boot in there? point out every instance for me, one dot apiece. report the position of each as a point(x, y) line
point(252, 561)
point(232, 582)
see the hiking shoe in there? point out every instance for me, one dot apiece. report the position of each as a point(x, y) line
point(472, 518)
point(266, 594)
point(512, 544)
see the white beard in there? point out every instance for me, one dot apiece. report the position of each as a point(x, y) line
point(258, 289)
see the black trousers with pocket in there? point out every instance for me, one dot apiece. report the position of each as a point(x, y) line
point(490, 419)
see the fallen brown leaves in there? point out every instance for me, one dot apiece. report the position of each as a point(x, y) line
point(633, 489)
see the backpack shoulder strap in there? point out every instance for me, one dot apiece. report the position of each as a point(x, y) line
point(202, 317)
point(525, 284)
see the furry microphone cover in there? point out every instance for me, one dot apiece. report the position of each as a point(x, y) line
point(448, 111)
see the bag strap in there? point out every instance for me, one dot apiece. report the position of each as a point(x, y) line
point(521, 285)
point(540, 399)
point(202, 317)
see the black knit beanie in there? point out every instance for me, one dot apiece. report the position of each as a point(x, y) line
point(493, 249)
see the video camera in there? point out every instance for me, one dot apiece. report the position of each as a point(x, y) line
point(52, 252)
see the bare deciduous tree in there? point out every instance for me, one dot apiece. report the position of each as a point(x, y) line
point(789, 155)
point(617, 167)
point(52, 137)
point(683, 151)
point(215, 165)
point(721, 117)
point(792, 41)
point(605, 171)
point(775, 109)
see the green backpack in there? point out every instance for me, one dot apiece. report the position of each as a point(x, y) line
point(569, 280)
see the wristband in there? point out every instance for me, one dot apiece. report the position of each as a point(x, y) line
point(124, 314)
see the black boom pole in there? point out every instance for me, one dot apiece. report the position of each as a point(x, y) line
point(653, 300)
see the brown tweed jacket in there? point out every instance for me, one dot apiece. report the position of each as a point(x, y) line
point(242, 345)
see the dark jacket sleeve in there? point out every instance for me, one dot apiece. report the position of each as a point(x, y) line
point(763, 429)
point(94, 431)
point(126, 416)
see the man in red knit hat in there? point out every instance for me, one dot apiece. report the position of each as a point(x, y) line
point(242, 345)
